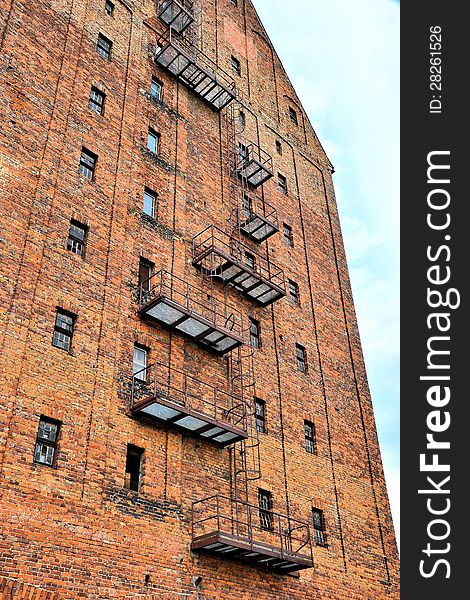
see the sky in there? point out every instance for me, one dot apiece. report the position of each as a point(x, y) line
point(343, 60)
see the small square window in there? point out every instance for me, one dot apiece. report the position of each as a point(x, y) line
point(319, 526)
point(294, 292)
point(145, 275)
point(156, 89)
point(133, 475)
point(310, 438)
point(236, 66)
point(77, 237)
point(63, 330)
point(250, 260)
point(293, 116)
point(96, 100)
point(255, 333)
point(301, 354)
point(260, 415)
point(287, 234)
point(282, 182)
point(150, 202)
point(139, 365)
point(103, 46)
point(108, 8)
point(87, 164)
point(45, 449)
point(278, 147)
point(265, 504)
point(153, 141)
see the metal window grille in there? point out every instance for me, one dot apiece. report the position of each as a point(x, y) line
point(87, 164)
point(149, 203)
point(46, 441)
point(63, 330)
point(301, 358)
point(260, 415)
point(76, 239)
point(103, 46)
point(309, 429)
point(265, 509)
point(96, 101)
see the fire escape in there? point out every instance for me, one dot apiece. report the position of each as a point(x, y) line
point(225, 525)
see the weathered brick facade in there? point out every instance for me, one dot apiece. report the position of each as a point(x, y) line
point(73, 530)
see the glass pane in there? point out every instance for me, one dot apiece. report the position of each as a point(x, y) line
point(149, 204)
point(47, 431)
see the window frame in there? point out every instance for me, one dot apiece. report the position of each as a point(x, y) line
point(104, 46)
point(287, 235)
point(144, 365)
point(265, 512)
point(144, 263)
point(254, 328)
point(260, 416)
point(319, 532)
point(279, 147)
point(109, 8)
point(301, 356)
point(94, 104)
point(74, 239)
point(64, 331)
point(310, 437)
point(152, 134)
point(236, 65)
point(156, 82)
point(43, 441)
point(139, 454)
point(294, 119)
point(250, 260)
point(282, 183)
point(294, 294)
point(247, 205)
point(87, 164)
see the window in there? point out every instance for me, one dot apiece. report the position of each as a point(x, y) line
point(301, 358)
point(77, 235)
point(45, 449)
point(310, 439)
point(242, 119)
point(103, 47)
point(133, 467)
point(293, 292)
point(156, 89)
point(288, 237)
point(293, 116)
point(319, 528)
point(153, 141)
point(265, 509)
point(96, 101)
point(249, 260)
point(150, 200)
point(244, 154)
point(88, 164)
point(255, 333)
point(282, 182)
point(139, 367)
point(236, 67)
point(63, 330)
point(145, 273)
point(246, 206)
point(108, 8)
point(260, 415)
point(278, 147)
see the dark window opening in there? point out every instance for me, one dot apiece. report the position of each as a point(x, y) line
point(133, 467)
point(310, 439)
point(156, 89)
point(260, 415)
point(301, 358)
point(234, 2)
point(88, 164)
point(77, 237)
point(293, 292)
point(288, 237)
point(293, 116)
point(45, 449)
point(255, 333)
point(153, 141)
point(145, 274)
point(103, 46)
point(265, 504)
point(282, 182)
point(109, 8)
point(319, 526)
point(236, 66)
point(139, 365)
point(149, 202)
point(96, 100)
point(278, 147)
point(63, 330)
point(242, 119)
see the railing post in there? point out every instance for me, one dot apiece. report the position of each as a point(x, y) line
point(155, 380)
point(218, 512)
point(280, 534)
point(215, 402)
point(250, 525)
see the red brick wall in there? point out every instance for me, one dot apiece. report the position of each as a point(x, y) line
point(73, 529)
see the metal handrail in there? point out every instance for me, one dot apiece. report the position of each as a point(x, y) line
point(158, 380)
point(253, 152)
point(262, 208)
point(213, 237)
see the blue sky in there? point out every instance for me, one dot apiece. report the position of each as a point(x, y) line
point(343, 60)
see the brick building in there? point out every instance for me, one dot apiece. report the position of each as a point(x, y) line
point(184, 406)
